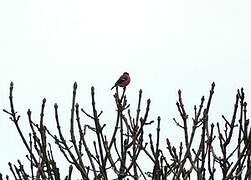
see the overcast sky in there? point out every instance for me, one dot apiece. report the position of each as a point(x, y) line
point(46, 45)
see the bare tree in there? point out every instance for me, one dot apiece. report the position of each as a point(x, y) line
point(217, 151)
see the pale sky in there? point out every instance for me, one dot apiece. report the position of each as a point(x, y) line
point(46, 45)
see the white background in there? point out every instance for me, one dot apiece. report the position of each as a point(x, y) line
point(46, 45)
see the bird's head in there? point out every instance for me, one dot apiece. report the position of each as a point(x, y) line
point(126, 73)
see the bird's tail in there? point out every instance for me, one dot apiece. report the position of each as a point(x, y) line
point(113, 86)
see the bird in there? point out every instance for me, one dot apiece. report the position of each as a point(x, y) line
point(123, 80)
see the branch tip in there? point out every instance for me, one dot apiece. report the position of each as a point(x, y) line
point(29, 112)
point(75, 85)
point(56, 105)
point(11, 84)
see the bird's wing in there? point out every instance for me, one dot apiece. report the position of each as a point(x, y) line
point(120, 80)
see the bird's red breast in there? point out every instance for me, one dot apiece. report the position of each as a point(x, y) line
point(126, 82)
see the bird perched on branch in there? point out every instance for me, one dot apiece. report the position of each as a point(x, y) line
point(123, 80)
